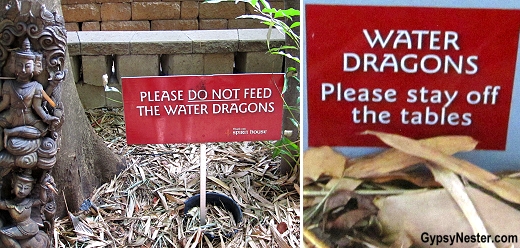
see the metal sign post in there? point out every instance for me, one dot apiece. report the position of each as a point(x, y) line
point(203, 209)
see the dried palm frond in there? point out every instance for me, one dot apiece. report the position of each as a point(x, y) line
point(143, 205)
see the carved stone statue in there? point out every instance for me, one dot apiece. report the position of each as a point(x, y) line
point(21, 230)
point(32, 56)
point(22, 97)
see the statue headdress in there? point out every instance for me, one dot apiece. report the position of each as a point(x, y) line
point(24, 176)
point(25, 51)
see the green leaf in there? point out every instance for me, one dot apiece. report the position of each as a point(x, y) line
point(291, 69)
point(269, 10)
point(291, 12)
point(289, 144)
point(276, 49)
point(295, 122)
point(285, 152)
point(276, 152)
point(291, 108)
point(287, 55)
point(265, 4)
point(295, 24)
point(285, 84)
point(269, 24)
point(279, 14)
point(298, 88)
point(291, 72)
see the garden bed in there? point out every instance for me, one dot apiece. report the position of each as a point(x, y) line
point(143, 206)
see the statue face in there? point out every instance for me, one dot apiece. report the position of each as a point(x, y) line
point(24, 68)
point(22, 189)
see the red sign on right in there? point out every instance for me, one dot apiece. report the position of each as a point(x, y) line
point(419, 72)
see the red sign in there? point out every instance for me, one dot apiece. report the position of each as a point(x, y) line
point(195, 109)
point(415, 71)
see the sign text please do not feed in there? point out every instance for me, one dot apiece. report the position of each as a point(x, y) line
point(197, 109)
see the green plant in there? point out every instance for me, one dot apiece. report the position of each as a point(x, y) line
point(285, 146)
point(273, 18)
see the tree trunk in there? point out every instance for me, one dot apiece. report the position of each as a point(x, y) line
point(83, 160)
point(288, 163)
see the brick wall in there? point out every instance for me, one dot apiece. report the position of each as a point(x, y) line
point(153, 53)
point(146, 15)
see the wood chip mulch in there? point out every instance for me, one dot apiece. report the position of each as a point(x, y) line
point(143, 206)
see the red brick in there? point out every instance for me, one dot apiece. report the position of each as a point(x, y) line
point(189, 10)
point(223, 10)
point(174, 25)
point(155, 10)
point(68, 2)
point(245, 24)
point(116, 12)
point(90, 26)
point(125, 26)
point(77, 1)
point(81, 12)
point(276, 5)
point(250, 10)
point(113, 1)
point(72, 26)
point(213, 24)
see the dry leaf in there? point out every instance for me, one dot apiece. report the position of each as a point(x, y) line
point(343, 184)
point(512, 181)
point(322, 161)
point(464, 168)
point(313, 239)
point(454, 186)
point(393, 159)
point(95, 244)
point(281, 227)
point(434, 212)
point(219, 182)
point(417, 174)
point(337, 199)
point(278, 237)
point(143, 204)
point(351, 207)
point(347, 220)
